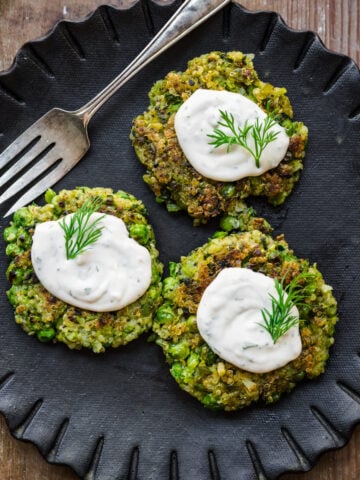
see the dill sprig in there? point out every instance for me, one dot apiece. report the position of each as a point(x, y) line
point(280, 319)
point(259, 132)
point(80, 232)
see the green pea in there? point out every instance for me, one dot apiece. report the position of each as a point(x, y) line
point(12, 250)
point(330, 311)
point(151, 338)
point(299, 376)
point(179, 350)
point(153, 293)
point(289, 126)
point(165, 314)
point(12, 295)
point(49, 195)
point(275, 397)
point(129, 328)
point(140, 233)
point(169, 284)
point(172, 207)
point(229, 223)
point(227, 190)
point(172, 269)
point(311, 288)
point(210, 401)
point(160, 199)
point(23, 217)
point(46, 335)
point(188, 269)
point(219, 234)
point(10, 234)
point(123, 195)
point(211, 357)
point(187, 374)
point(174, 108)
point(176, 370)
point(193, 361)
point(273, 255)
point(156, 272)
point(192, 324)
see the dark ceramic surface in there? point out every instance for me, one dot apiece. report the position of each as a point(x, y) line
point(120, 415)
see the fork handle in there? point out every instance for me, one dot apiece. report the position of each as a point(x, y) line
point(190, 14)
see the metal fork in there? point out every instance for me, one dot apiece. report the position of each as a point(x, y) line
point(59, 139)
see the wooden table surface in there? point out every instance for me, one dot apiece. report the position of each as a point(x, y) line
point(338, 24)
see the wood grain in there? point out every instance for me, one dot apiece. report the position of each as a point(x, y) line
point(338, 24)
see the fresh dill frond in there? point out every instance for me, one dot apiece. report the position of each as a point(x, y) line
point(279, 319)
point(80, 232)
point(260, 132)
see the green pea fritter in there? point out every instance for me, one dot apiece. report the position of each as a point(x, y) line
point(168, 173)
point(196, 368)
point(48, 318)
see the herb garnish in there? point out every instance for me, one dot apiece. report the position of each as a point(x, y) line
point(279, 320)
point(79, 232)
point(259, 132)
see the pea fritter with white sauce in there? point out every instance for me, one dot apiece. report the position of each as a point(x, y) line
point(196, 368)
point(49, 319)
point(169, 174)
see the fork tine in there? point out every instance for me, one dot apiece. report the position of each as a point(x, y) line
point(40, 167)
point(37, 149)
point(46, 182)
point(19, 144)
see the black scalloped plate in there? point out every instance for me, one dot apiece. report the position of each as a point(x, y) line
point(120, 415)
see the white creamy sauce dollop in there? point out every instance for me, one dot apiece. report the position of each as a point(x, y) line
point(228, 319)
point(200, 114)
point(112, 273)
